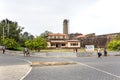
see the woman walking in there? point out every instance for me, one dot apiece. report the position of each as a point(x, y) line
point(99, 53)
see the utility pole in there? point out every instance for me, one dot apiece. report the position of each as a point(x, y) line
point(3, 34)
point(8, 28)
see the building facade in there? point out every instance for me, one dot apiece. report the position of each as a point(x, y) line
point(96, 40)
point(77, 40)
point(58, 40)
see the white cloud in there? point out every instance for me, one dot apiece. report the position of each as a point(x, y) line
point(85, 16)
point(102, 17)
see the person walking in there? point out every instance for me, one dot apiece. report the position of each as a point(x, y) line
point(105, 52)
point(25, 51)
point(99, 53)
point(75, 50)
point(3, 48)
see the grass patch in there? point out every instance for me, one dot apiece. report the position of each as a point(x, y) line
point(60, 50)
point(18, 49)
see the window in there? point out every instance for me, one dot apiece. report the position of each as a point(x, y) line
point(52, 44)
point(74, 44)
point(52, 37)
point(63, 44)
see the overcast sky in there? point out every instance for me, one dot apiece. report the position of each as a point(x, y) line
point(85, 16)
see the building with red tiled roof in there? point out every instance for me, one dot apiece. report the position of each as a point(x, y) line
point(65, 40)
point(77, 40)
point(58, 40)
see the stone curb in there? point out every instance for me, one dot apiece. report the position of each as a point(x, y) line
point(51, 63)
point(117, 55)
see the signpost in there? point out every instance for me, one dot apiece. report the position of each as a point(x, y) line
point(89, 48)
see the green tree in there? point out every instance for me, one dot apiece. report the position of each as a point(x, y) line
point(40, 43)
point(114, 44)
point(37, 44)
point(11, 29)
point(25, 37)
point(1, 40)
point(11, 43)
point(29, 44)
point(45, 34)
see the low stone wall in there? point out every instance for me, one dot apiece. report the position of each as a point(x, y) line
point(62, 54)
point(56, 54)
point(13, 52)
point(84, 54)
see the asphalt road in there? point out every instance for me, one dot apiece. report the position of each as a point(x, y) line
point(12, 67)
point(87, 68)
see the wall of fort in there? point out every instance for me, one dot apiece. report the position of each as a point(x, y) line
point(97, 40)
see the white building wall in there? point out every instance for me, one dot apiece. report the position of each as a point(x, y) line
point(49, 45)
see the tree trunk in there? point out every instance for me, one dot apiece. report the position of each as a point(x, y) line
point(38, 50)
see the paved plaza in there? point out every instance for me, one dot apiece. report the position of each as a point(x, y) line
point(87, 68)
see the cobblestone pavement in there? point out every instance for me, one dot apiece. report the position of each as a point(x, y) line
point(89, 68)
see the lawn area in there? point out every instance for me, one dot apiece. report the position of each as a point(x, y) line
point(69, 50)
point(60, 50)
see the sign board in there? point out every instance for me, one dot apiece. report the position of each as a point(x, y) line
point(89, 47)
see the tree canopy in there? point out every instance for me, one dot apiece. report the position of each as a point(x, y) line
point(114, 44)
point(11, 32)
point(10, 43)
point(10, 29)
point(45, 34)
point(12, 37)
point(37, 44)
